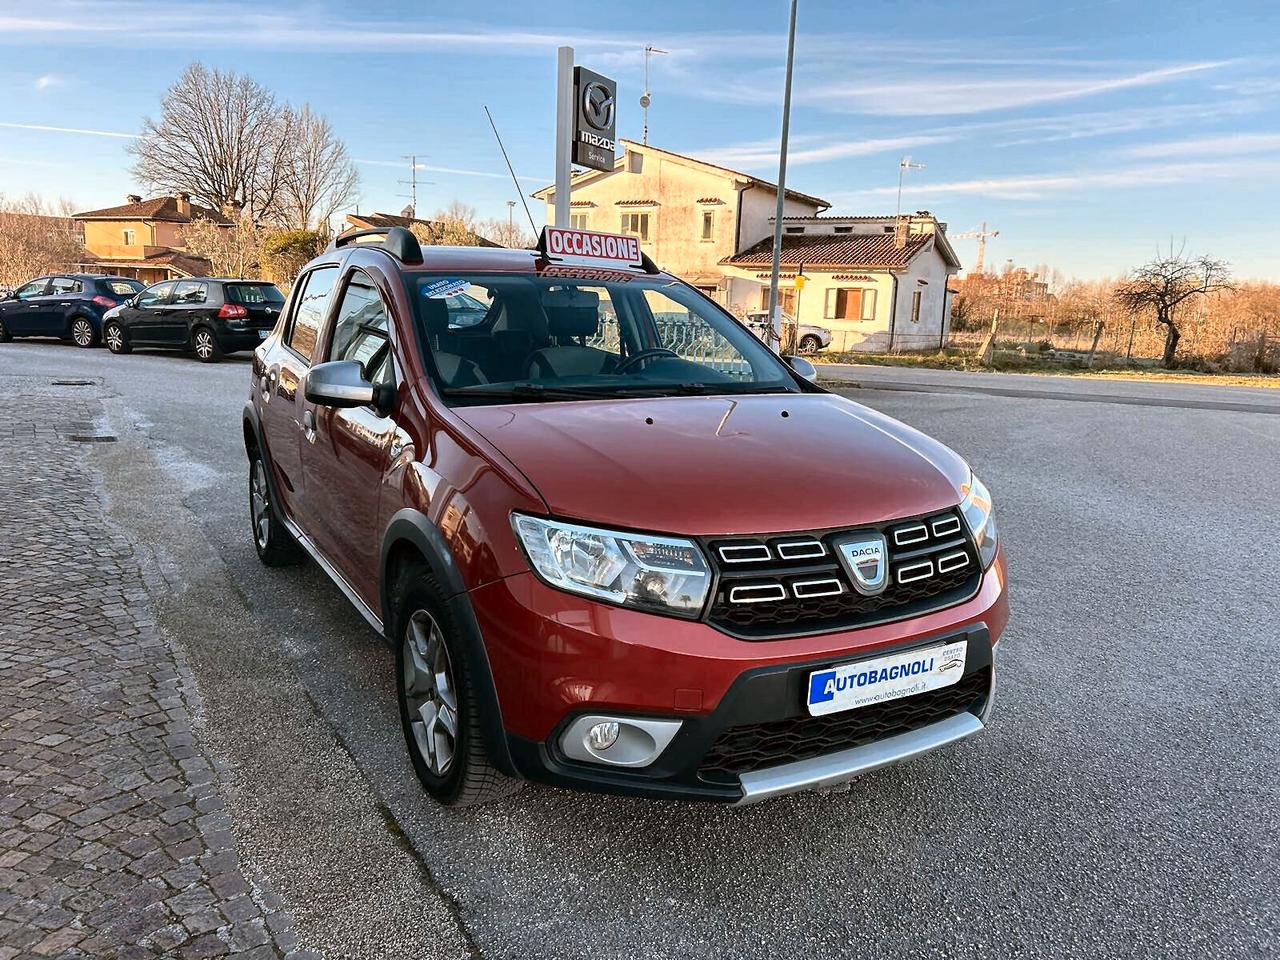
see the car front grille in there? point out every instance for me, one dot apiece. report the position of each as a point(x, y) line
point(795, 584)
point(742, 749)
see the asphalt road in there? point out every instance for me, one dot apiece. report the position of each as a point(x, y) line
point(1124, 803)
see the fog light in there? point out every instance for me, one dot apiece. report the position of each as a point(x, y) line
point(602, 736)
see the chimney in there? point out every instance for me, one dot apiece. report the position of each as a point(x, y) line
point(133, 198)
point(184, 204)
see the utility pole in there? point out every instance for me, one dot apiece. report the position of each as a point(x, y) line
point(775, 315)
point(645, 99)
point(511, 216)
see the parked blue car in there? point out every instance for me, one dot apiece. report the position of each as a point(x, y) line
point(67, 305)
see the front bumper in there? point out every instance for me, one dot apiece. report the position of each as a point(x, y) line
point(556, 657)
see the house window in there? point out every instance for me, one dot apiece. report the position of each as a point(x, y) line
point(708, 224)
point(915, 306)
point(636, 224)
point(794, 229)
point(578, 221)
point(130, 238)
point(844, 229)
point(850, 303)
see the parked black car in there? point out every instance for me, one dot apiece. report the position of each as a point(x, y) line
point(67, 305)
point(207, 315)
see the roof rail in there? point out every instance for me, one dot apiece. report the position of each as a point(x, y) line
point(397, 241)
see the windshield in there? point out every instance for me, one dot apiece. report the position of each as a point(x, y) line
point(525, 337)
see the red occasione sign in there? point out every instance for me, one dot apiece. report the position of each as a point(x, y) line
point(588, 245)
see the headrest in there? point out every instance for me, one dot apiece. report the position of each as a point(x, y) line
point(435, 314)
point(571, 312)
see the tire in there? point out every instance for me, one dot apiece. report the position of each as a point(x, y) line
point(810, 344)
point(5, 335)
point(433, 681)
point(275, 545)
point(205, 344)
point(82, 332)
point(114, 337)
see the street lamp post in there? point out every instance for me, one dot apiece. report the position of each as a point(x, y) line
point(775, 314)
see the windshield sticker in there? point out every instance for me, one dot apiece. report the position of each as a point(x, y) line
point(447, 287)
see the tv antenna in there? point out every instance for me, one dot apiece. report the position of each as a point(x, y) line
point(412, 184)
point(905, 164)
point(645, 99)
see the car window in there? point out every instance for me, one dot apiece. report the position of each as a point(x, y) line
point(152, 296)
point(310, 307)
point(61, 286)
point(360, 332)
point(35, 288)
point(252, 294)
point(122, 288)
point(189, 292)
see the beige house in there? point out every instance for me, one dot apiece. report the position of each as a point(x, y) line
point(688, 214)
point(143, 238)
point(879, 284)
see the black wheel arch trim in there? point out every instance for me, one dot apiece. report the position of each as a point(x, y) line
point(412, 526)
point(255, 426)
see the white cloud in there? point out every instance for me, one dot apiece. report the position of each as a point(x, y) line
point(47, 81)
point(457, 171)
point(78, 130)
point(763, 153)
point(1223, 145)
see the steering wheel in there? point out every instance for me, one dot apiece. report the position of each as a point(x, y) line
point(644, 356)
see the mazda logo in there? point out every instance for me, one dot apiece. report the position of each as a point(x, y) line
point(597, 105)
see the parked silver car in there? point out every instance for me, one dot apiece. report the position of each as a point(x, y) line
point(810, 338)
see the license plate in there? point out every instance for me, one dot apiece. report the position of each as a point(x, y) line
point(898, 675)
point(263, 334)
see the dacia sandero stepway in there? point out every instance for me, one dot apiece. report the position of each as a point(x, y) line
point(616, 543)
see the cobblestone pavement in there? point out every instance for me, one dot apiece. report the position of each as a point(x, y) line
point(114, 841)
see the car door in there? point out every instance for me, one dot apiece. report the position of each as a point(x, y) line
point(22, 314)
point(345, 452)
point(145, 320)
point(286, 364)
point(60, 298)
point(184, 312)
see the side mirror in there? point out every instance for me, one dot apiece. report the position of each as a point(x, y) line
point(339, 383)
point(803, 368)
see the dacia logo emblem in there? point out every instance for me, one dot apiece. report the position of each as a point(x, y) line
point(865, 557)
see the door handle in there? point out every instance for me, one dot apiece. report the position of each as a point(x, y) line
point(309, 426)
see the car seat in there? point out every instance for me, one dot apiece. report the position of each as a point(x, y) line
point(454, 369)
point(571, 313)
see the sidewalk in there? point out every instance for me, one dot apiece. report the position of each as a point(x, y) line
point(113, 837)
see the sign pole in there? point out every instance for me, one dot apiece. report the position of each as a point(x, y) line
point(775, 314)
point(564, 133)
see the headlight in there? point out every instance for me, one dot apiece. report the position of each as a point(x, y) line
point(662, 574)
point(977, 511)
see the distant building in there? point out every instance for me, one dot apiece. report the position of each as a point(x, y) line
point(688, 214)
point(143, 238)
point(371, 221)
point(878, 283)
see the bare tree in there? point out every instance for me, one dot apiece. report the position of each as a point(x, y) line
point(218, 139)
point(1165, 283)
point(454, 226)
point(320, 178)
point(231, 251)
point(506, 232)
point(36, 238)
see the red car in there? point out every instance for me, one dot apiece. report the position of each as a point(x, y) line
point(617, 544)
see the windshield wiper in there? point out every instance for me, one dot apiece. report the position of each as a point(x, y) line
point(701, 389)
point(530, 391)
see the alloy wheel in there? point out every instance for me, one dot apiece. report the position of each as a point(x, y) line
point(82, 333)
point(114, 337)
point(260, 504)
point(204, 344)
point(430, 693)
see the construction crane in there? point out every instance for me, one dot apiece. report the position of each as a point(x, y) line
point(981, 235)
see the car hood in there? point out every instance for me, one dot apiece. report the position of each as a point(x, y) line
point(723, 465)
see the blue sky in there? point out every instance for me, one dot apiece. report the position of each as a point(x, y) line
point(1085, 132)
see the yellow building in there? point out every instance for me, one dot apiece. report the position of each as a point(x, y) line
point(143, 238)
point(688, 214)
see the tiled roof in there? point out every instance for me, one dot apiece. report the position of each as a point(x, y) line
point(824, 249)
point(187, 263)
point(635, 203)
point(157, 208)
point(710, 200)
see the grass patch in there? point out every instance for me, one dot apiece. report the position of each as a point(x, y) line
point(1012, 362)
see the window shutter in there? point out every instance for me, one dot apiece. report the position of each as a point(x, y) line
point(830, 312)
